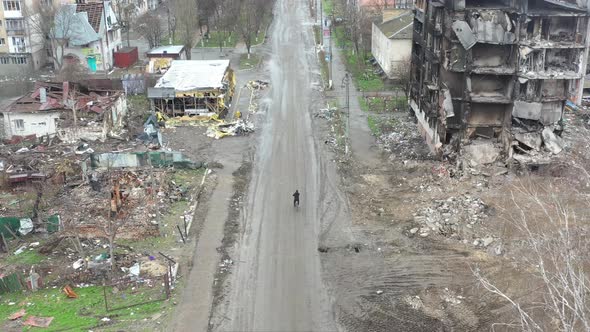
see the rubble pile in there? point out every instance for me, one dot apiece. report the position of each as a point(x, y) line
point(325, 113)
point(535, 143)
point(132, 199)
point(257, 85)
point(403, 140)
point(449, 217)
point(238, 128)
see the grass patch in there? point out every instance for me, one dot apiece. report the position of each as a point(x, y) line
point(328, 6)
point(374, 125)
point(166, 41)
point(382, 104)
point(357, 63)
point(138, 103)
point(317, 34)
point(215, 37)
point(325, 70)
point(363, 104)
point(253, 62)
point(75, 314)
point(261, 35)
point(369, 82)
point(27, 257)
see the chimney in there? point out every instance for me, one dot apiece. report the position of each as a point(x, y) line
point(65, 92)
point(43, 95)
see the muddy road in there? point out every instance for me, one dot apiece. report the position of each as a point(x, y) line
point(277, 284)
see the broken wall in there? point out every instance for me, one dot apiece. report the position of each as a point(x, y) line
point(546, 113)
point(491, 86)
point(492, 26)
point(487, 115)
point(489, 55)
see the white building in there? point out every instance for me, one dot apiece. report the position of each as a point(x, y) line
point(391, 42)
point(21, 51)
point(92, 37)
point(26, 119)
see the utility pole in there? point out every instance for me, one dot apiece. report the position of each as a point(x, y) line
point(330, 72)
point(346, 84)
point(322, 20)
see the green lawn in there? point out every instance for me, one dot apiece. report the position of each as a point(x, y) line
point(382, 104)
point(166, 41)
point(27, 257)
point(374, 125)
point(228, 39)
point(328, 6)
point(357, 64)
point(259, 38)
point(75, 314)
point(253, 62)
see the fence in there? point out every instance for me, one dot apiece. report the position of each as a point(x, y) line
point(11, 283)
point(383, 101)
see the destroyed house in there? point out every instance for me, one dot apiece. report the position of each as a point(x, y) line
point(496, 70)
point(70, 111)
point(194, 87)
point(161, 57)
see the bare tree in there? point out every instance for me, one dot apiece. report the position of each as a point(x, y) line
point(186, 14)
point(149, 27)
point(402, 74)
point(124, 13)
point(121, 205)
point(73, 72)
point(226, 14)
point(51, 25)
point(207, 10)
point(353, 19)
point(554, 248)
point(252, 13)
point(171, 20)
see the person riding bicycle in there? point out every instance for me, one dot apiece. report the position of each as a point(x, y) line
point(296, 198)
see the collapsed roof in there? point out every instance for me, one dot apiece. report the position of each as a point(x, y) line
point(190, 75)
point(59, 96)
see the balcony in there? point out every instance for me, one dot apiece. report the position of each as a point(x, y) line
point(15, 32)
point(13, 14)
point(18, 49)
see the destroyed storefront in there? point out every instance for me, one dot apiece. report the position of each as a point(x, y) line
point(194, 87)
point(498, 72)
point(70, 111)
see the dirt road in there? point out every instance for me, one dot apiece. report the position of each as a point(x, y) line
point(277, 283)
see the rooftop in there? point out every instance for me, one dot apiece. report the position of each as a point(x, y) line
point(188, 75)
point(94, 12)
point(399, 27)
point(89, 100)
point(169, 49)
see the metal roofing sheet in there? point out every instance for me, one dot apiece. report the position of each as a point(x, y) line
point(187, 75)
point(170, 49)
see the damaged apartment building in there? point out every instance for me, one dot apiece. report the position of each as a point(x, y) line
point(497, 72)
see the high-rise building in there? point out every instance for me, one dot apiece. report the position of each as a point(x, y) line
point(19, 52)
point(499, 71)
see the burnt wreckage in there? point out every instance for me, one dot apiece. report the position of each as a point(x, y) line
point(497, 71)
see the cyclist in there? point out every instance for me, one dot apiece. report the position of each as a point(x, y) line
point(296, 198)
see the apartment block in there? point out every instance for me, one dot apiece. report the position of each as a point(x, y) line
point(20, 50)
point(496, 71)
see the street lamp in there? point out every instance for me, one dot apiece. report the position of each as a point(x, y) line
point(346, 84)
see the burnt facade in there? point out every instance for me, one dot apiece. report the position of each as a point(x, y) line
point(496, 69)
